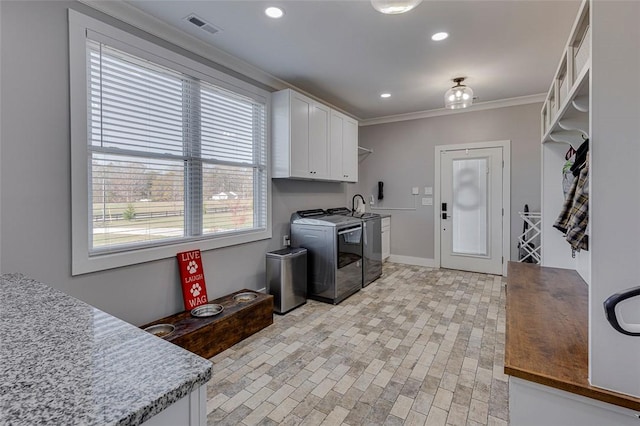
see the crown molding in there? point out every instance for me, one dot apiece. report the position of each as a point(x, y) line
point(136, 18)
point(502, 103)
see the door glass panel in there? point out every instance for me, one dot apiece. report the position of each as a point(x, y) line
point(470, 207)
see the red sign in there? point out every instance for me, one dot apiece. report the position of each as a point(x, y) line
point(194, 290)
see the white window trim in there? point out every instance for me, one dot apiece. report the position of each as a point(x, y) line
point(79, 26)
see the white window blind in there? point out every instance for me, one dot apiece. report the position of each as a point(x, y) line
point(171, 157)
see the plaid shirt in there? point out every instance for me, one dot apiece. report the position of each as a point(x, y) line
point(574, 216)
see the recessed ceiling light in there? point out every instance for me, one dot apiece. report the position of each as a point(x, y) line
point(439, 36)
point(274, 12)
point(385, 95)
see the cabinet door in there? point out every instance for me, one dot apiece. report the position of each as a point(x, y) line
point(343, 148)
point(300, 127)
point(335, 146)
point(386, 237)
point(350, 150)
point(318, 141)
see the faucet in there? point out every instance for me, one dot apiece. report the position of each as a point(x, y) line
point(353, 202)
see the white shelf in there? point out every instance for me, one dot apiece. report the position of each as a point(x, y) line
point(571, 118)
point(565, 114)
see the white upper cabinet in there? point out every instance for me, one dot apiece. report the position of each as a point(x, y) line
point(343, 148)
point(312, 141)
point(318, 141)
point(300, 136)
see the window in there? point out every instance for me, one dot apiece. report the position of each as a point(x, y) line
point(173, 154)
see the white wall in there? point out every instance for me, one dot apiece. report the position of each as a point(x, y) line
point(403, 158)
point(35, 195)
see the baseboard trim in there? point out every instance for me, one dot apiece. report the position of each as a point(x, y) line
point(416, 261)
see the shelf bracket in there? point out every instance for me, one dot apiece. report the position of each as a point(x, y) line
point(571, 137)
point(367, 150)
point(581, 103)
point(580, 124)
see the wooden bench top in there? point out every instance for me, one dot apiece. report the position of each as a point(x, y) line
point(547, 336)
point(208, 336)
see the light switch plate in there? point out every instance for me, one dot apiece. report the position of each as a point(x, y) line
point(415, 190)
point(428, 201)
point(428, 190)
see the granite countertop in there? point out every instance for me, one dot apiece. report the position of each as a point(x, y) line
point(63, 361)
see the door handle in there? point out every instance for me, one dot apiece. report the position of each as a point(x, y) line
point(444, 211)
point(612, 315)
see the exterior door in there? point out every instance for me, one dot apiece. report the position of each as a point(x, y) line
point(471, 210)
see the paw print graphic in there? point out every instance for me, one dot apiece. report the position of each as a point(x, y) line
point(195, 290)
point(192, 267)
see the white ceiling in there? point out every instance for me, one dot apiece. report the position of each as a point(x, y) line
point(346, 53)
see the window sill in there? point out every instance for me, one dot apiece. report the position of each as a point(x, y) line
point(84, 264)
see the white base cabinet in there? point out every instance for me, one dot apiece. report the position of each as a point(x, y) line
point(386, 238)
point(188, 411)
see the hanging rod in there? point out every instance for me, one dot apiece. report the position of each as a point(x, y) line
point(370, 151)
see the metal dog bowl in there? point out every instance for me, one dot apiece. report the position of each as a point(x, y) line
point(207, 310)
point(160, 330)
point(245, 297)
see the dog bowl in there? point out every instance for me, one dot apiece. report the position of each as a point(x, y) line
point(207, 310)
point(160, 330)
point(245, 297)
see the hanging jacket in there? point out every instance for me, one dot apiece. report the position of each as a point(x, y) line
point(574, 215)
point(577, 229)
point(562, 222)
point(580, 158)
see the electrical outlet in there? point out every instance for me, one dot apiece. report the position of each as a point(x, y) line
point(428, 190)
point(427, 201)
point(285, 240)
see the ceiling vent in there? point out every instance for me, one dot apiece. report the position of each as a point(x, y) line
point(202, 24)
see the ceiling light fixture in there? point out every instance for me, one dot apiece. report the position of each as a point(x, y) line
point(274, 12)
point(392, 7)
point(459, 96)
point(439, 36)
point(385, 95)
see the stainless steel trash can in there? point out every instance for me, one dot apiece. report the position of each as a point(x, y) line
point(287, 278)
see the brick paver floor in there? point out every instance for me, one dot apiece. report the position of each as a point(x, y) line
point(419, 346)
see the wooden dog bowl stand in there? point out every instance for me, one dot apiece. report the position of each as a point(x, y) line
point(208, 336)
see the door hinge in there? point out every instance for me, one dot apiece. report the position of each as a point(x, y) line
point(503, 211)
point(502, 261)
point(503, 164)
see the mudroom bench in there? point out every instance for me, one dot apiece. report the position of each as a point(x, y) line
point(547, 352)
